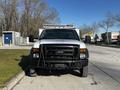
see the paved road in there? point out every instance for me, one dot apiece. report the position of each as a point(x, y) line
point(104, 74)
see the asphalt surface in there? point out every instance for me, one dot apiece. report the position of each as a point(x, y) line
point(104, 74)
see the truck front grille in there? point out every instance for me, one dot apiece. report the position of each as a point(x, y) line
point(61, 52)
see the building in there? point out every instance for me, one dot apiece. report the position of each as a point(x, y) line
point(10, 38)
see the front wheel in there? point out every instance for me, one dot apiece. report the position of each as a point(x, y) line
point(84, 71)
point(32, 72)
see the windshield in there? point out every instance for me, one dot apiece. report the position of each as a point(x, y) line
point(59, 34)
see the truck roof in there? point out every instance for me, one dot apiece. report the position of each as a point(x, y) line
point(52, 26)
point(58, 26)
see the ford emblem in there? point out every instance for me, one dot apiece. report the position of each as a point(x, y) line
point(60, 52)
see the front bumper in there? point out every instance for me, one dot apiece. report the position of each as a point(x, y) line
point(64, 64)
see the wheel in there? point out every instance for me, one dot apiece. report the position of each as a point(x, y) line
point(84, 71)
point(32, 72)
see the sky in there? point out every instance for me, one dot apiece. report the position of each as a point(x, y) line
point(79, 12)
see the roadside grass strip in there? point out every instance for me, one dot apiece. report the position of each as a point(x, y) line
point(10, 64)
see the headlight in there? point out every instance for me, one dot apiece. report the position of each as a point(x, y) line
point(35, 55)
point(82, 56)
point(83, 52)
point(35, 52)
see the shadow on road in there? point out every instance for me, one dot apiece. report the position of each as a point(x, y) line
point(24, 63)
point(42, 72)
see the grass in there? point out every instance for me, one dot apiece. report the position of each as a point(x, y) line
point(10, 64)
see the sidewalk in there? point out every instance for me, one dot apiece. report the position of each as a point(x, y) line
point(104, 45)
point(15, 47)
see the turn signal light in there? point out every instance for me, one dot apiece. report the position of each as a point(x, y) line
point(35, 50)
point(83, 50)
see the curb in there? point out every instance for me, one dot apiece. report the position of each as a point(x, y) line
point(107, 46)
point(11, 84)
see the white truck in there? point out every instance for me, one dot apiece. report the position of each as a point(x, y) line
point(59, 47)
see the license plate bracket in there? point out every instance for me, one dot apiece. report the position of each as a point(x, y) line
point(60, 65)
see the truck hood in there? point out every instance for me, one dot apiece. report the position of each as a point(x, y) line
point(59, 41)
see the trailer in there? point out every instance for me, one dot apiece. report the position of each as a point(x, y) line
point(112, 37)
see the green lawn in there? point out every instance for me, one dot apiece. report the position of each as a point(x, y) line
point(11, 63)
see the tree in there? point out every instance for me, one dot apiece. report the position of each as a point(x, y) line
point(95, 27)
point(29, 18)
point(117, 19)
point(106, 25)
point(1, 23)
point(9, 12)
point(35, 14)
point(85, 29)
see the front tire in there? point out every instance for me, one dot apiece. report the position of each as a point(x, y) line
point(84, 71)
point(32, 72)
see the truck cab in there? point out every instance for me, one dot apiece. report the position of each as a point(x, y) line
point(59, 47)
